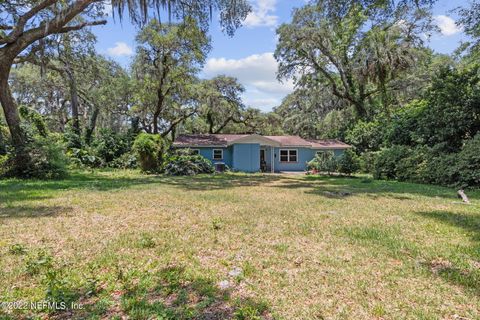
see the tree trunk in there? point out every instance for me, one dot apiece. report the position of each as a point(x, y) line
point(12, 116)
point(158, 110)
point(91, 125)
point(210, 121)
point(74, 101)
point(155, 121)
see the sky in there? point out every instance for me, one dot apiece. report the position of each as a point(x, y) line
point(248, 55)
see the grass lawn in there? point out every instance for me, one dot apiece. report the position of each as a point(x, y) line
point(126, 245)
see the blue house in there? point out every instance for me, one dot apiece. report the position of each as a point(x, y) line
point(254, 153)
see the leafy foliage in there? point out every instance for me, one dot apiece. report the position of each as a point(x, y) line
point(324, 161)
point(149, 149)
point(187, 165)
point(468, 166)
point(46, 160)
point(348, 162)
point(110, 145)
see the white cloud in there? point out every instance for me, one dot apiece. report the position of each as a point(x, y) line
point(120, 49)
point(262, 14)
point(257, 73)
point(447, 25)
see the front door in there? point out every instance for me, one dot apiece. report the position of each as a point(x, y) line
point(263, 163)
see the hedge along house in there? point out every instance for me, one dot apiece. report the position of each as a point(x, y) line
point(254, 153)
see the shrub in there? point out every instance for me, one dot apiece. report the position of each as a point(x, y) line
point(71, 139)
point(366, 136)
point(34, 119)
point(348, 162)
point(149, 149)
point(125, 161)
point(4, 138)
point(367, 161)
point(84, 158)
point(110, 145)
point(441, 170)
point(188, 165)
point(387, 160)
point(468, 166)
point(46, 160)
point(414, 167)
point(324, 161)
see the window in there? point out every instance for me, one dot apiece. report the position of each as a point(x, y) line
point(288, 155)
point(217, 154)
point(195, 152)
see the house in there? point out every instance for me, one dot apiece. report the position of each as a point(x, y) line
point(254, 153)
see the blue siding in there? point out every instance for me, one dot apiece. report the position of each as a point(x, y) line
point(246, 157)
point(207, 152)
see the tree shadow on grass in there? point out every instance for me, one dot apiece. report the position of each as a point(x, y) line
point(459, 273)
point(176, 295)
point(219, 181)
point(15, 190)
point(342, 187)
point(461, 266)
point(24, 211)
point(392, 243)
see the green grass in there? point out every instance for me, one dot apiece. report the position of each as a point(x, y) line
point(237, 246)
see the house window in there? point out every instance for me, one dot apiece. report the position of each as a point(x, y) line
point(217, 154)
point(288, 155)
point(194, 152)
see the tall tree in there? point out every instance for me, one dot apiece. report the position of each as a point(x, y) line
point(221, 102)
point(25, 23)
point(168, 58)
point(470, 20)
point(332, 44)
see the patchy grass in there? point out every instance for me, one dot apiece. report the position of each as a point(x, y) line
point(237, 246)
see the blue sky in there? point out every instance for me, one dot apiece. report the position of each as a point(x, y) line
point(248, 55)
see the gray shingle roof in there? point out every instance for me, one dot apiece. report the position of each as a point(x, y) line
point(188, 140)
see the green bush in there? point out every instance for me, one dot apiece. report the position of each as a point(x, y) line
point(149, 151)
point(468, 166)
point(45, 157)
point(109, 145)
point(427, 165)
point(414, 167)
point(367, 161)
point(125, 161)
point(348, 162)
point(324, 161)
point(34, 119)
point(366, 136)
point(71, 139)
point(4, 139)
point(84, 158)
point(441, 169)
point(386, 163)
point(188, 165)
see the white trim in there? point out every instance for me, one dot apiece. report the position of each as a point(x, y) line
point(213, 154)
point(288, 155)
point(255, 138)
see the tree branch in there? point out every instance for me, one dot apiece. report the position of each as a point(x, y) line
point(82, 25)
point(22, 21)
